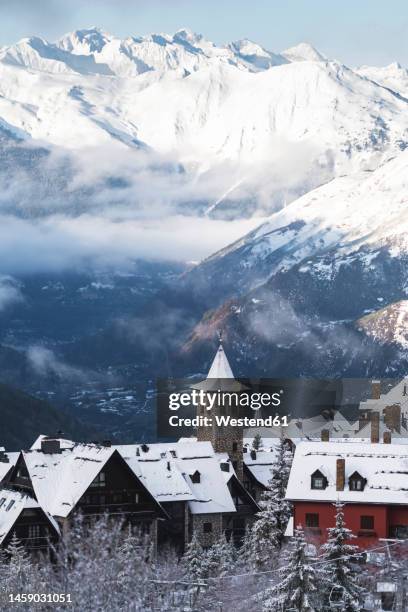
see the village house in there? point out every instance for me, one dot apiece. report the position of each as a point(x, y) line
point(64, 478)
point(371, 479)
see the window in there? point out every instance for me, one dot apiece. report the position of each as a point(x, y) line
point(357, 482)
point(196, 477)
point(173, 453)
point(399, 531)
point(207, 527)
point(2, 500)
point(318, 480)
point(34, 531)
point(137, 498)
point(224, 466)
point(100, 481)
point(312, 520)
point(11, 504)
point(367, 522)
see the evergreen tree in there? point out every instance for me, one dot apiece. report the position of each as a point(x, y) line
point(257, 442)
point(193, 560)
point(267, 532)
point(19, 568)
point(296, 588)
point(220, 559)
point(341, 583)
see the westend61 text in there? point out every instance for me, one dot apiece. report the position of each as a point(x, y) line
point(227, 421)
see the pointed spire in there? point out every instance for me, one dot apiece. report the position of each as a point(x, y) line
point(220, 367)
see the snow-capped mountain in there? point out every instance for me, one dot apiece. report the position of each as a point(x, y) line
point(394, 76)
point(259, 128)
point(327, 275)
point(363, 211)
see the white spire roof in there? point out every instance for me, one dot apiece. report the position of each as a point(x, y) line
point(220, 367)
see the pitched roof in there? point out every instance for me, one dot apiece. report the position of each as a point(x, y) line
point(12, 504)
point(260, 465)
point(220, 367)
point(384, 466)
point(60, 479)
point(6, 467)
point(208, 496)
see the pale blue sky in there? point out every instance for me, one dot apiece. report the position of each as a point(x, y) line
point(354, 31)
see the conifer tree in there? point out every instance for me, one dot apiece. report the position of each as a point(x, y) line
point(341, 581)
point(296, 588)
point(193, 559)
point(257, 442)
point(267, 533)
point(220, 558)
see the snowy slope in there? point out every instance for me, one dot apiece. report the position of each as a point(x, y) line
point(394, 76)
point(365, 210)
point(388, 325)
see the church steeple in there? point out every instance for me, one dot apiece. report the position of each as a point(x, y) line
point(225, 439)
point(220, 367)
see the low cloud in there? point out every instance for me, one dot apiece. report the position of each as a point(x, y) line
point(45, 363)
point(108, 205)
point(10, 292)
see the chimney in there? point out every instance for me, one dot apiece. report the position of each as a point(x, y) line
point(168, 466)
point(375, 427)
point(340, 474)
point(50, 446)
point(392, 417)
point(387, 437)
point(253, 454)
point(375, 389)
point(325, 435)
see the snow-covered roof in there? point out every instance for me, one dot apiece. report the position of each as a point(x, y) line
point(60, 479)
point(165, 469)
point(260, 463)
point(310, 428)
point(64, 443)
point(220, 367)
point(384, 466)
point(152, 465)
point(5, 467)
point(12, 504)
point(396, 395)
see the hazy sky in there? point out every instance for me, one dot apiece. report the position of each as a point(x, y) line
point(356, 32)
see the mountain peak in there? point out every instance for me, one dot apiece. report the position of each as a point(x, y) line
point(303, 52)
point(187, 35)
point(85, 41)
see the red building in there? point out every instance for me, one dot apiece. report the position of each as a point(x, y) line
point(370, 479)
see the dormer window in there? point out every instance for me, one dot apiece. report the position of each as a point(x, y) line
point(357, 482)
point(196, 477)
point(318, 480)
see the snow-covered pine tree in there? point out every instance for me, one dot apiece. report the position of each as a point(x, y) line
point(267, 532)
point(296, 588)
point(340, 571)
point(19, 567)
point(193, 559)
point(257, 442)
point(219, 559)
